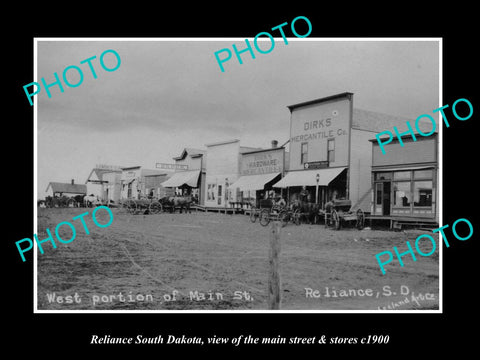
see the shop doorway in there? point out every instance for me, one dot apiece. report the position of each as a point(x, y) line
point(382, 198)
point(386, 197)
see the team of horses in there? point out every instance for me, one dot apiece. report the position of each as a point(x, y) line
point(67, 201)
point(309, 210)
point(61, 201)
point(169, 203)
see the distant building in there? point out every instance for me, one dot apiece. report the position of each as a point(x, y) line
point(67, 189)
point(138, 182)
point(104, 181)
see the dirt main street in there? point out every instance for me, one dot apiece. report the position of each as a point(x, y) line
point(211, 261)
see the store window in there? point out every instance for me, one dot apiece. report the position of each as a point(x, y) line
point(383, 176)
point(402, 196)
point(211, 192)
point(402, 175)
point(304, 154)
point(422, 193)
point(331, 150)
point(423, 174)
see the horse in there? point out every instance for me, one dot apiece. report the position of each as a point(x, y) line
point(172, 202)
point(184, 202)
point(55, 201)
point(79, 200)
point(308, 210)
point(90, 200)
point(167, 203)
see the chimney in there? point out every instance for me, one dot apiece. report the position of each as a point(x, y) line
point(72, 182)
point(274, 144)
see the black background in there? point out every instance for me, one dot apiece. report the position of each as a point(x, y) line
point(410, 334)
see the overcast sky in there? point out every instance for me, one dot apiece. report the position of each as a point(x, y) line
point(167, 95)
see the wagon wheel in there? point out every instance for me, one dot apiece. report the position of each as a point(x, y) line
point(71, 203)
point(264, 217)
point(283, 216)
point(132, 207)
point(253, 214)
point(360, 219)
point(336, 220)
point(155, 207)
point(296, 217)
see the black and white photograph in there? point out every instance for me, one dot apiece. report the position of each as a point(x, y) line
point(221, 179)
point(228, 186)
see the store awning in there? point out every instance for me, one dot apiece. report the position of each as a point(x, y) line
point(254, 182)
point(309, 177)
point(178, 179)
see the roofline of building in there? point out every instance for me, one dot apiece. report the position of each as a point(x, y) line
point(261, 150)
point(395, 139)
point(315, 101)
point(67, 192)
point(160, 174)
point(197, 153)
point(131, 167)
point(107, 170)
point(223, 142)
point(104, 171)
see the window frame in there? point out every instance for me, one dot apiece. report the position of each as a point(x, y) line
point(331, 152)
point(303, 155)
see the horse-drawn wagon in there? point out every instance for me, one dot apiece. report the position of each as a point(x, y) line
point(339, 212)
point(155, 206)
point(135, 206)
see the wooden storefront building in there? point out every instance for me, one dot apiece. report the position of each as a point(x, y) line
point(259, 170)
point(405, 181)
point(189, 175)
point(223, 161)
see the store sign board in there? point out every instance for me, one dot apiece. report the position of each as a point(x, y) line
point(165, 166)
point(315, 165)
point(318, 126)
point(262, 162)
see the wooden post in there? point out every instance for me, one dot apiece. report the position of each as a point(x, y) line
point(274, 295)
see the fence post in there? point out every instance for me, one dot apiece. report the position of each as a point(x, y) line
point(274, 295)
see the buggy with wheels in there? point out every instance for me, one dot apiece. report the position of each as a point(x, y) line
point(339, 212)
point(269, 211)
point(257, 208)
